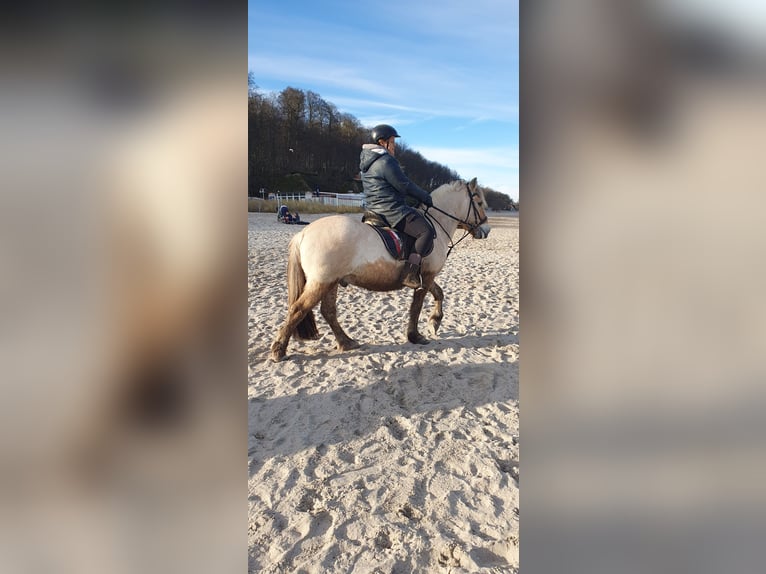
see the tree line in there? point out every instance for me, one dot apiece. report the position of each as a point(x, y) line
point(299, 142)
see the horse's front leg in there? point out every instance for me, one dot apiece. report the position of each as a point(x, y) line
point(435, 320)
point(413, 335)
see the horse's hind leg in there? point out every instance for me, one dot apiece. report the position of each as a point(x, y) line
point(435, 320)
point(295, 314)
point(329, 310)
point(413, 336)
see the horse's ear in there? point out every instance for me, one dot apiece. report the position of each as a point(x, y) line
point(472, 184)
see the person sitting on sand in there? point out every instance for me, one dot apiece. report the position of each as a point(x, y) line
point(284, 215)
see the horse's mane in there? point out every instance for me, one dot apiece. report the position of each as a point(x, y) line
point(455, 183)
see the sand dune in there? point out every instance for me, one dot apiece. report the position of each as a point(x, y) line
point(392, 457)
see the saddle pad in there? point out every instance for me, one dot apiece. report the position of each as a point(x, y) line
point(391, 240)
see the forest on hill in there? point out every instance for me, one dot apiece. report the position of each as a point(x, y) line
point(298, 142)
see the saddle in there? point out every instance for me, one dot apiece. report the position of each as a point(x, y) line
point(397, 244)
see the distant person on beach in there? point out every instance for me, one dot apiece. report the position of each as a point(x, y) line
point(386, 189)
point(284, 214)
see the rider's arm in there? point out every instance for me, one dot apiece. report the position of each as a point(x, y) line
point(395, 176)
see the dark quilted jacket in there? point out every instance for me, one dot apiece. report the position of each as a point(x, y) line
point(385, 185)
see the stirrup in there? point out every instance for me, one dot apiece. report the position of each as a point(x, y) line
point(410, 276)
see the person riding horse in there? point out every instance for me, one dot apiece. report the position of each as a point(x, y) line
point(385, 189)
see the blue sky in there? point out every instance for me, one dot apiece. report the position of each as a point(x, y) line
point(444, 74)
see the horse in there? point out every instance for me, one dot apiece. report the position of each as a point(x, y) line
point(340, 250)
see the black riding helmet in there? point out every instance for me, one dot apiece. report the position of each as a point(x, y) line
point(382, 132)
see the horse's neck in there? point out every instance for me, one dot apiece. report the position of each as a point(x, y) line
point(445, 224)
point(451, 205)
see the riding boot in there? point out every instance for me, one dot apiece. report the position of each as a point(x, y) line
point(410, 276)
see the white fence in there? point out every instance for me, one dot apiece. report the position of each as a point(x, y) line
point(349, 199)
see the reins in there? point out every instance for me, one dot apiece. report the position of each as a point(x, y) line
point(472, 227)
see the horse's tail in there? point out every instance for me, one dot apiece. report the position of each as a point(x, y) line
point(296, 282)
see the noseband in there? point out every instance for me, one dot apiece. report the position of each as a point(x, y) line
point(473, 208)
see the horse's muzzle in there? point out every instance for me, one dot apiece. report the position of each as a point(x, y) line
point(482, 232)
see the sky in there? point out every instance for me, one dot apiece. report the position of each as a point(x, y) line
point(445, 74)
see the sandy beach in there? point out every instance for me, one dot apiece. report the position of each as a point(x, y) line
point(394, 457)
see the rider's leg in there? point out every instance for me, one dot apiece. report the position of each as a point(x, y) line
point(415, 226)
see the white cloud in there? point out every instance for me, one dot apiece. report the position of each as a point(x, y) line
point(308, 70)
point(396, 82)
point(503, 157)
point(495, 167)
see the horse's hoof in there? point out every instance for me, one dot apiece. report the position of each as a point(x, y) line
point(277, 352)
point(348, 345)
point(417, 339)
point(433, 326)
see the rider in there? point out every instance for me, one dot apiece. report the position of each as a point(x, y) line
point(386, 188)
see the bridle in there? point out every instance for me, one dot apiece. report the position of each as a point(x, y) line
point(472, 210)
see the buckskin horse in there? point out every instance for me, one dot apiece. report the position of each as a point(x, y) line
point(339, 249)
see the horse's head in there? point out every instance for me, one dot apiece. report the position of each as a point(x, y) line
point(475, 222)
